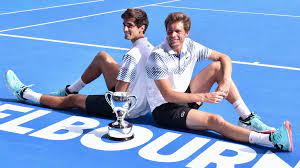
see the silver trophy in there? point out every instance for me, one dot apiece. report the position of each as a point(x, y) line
point(121, 103)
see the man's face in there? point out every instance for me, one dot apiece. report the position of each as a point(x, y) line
point(176, 35)
point(131, 31)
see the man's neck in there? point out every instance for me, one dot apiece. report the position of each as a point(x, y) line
point(177, 50)
point(134, 40)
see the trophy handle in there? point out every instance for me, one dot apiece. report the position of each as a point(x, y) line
point(133, 100)
point(109, 99)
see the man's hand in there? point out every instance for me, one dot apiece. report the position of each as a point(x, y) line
point(224, 87)
point(213, 97)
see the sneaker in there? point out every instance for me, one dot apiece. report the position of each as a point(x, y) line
point(15, 85)
point(63, 92)
point(282, 138)
point(254, 123)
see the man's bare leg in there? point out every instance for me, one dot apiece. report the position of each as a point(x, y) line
point(204, 80)
point(281, 138)
point(199, 120)
point(103, 63)
point(67, 102)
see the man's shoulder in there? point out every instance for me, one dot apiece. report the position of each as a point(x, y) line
point(159, 50)
point(190, 42)
point(135, 51)
point(193, 45)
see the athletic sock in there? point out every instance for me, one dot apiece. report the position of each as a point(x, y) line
point(32, 96)
point(260, 139)
point(76, 86)
point(241, 108)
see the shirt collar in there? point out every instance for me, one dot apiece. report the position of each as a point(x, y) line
point(171, 51)
point(140, 41)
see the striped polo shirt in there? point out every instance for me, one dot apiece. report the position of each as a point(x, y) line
point(164, 63)
point(133, 71)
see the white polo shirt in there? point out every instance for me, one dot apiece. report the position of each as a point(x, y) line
point(164, 63)
point(133, 71)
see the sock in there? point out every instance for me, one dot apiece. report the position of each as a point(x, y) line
point(260, 139)
point(76, 86)
point(241, 108)
point(32, 96)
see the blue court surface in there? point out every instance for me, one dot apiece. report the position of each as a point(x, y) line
point(50, 43)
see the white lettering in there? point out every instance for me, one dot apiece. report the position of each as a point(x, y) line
point(13, 125)
point(68, 125)
point(150, 151)
point(297, 165)
point(213, 155)
point(270, 159)
point(93, 139)
point(13, 108)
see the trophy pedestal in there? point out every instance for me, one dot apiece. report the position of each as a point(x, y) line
point(120, 131)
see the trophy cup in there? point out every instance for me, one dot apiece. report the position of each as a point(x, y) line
point(121, 103)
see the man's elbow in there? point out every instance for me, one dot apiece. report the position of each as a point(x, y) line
point(168, 97)
point(226, 57)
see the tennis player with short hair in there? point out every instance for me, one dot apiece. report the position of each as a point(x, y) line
point(130, 76)
point(178, 96)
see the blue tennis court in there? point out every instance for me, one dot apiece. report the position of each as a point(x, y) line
point(50, 43)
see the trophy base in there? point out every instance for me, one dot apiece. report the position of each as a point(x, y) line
point(118, 132)
point(119, 139)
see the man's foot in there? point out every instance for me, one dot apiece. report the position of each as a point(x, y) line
point(282, 138)
point(63, 92)
point(15, 85)
point(254, 123)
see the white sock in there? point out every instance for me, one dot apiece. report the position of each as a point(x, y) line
point(259, 138)
point(76, 86)
point(241, 108)
point(32, 96)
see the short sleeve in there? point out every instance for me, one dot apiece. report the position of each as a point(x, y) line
point(201, 52)
point(128, 68)
point(156, 68)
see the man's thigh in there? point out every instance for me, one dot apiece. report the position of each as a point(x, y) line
point(197, 120)
point(205, 79)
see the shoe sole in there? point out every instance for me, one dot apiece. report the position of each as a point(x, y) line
point(288, 126)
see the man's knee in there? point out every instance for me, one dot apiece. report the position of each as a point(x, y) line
point(215, 121)
point(74, 101)
point(215, 66)
point(103, 56)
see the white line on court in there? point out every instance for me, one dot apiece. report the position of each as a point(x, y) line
point(81, 17)
point(50, 7)
point(297, 165)
point(64, 42)
point(230, 11)
point(126, 49)
point(267, 65)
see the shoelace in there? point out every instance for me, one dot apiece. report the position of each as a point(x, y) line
point(28, 86)
point(20, 83)
point(277, 137)
point(257, 116)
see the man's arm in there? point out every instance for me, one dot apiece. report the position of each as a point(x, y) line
point(178, 97)
point(122, 86)
point(226, 65)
